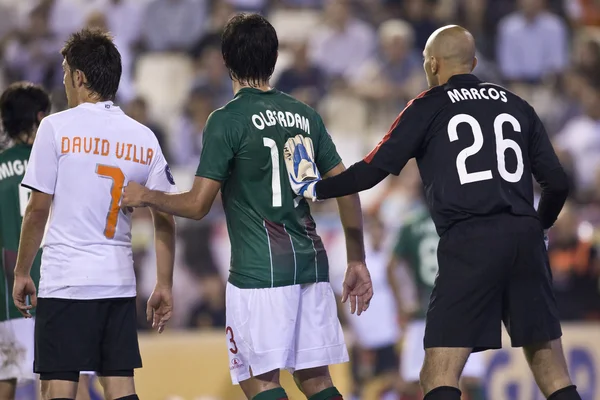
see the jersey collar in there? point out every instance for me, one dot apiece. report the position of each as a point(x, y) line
point(463, 78)
point(254, 91)
point(101, 105)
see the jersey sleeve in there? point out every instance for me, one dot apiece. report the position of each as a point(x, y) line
point(402, 142)
point(326, 156)
point(220, 143)
point(42, 168)
point(160, 177)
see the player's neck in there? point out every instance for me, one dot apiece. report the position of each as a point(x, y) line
point(444, 78)
point(88, 97)
point(237, 86)
point(24, 138)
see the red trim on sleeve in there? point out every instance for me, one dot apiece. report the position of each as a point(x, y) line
point(370, 156)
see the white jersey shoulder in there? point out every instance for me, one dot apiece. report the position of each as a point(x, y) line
point(84, 157)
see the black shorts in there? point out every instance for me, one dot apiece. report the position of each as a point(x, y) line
point(86, 335)
point(492, 269)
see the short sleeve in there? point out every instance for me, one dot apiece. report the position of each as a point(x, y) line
point(42, 168)
point(326, 155)
point(220, 143)
point(402, 142)
point(160, 177)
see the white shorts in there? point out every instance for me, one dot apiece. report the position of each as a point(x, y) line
point(290, 327)
point(16, 349)
point(413, 355)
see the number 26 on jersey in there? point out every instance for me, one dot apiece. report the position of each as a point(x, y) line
point(502, 144)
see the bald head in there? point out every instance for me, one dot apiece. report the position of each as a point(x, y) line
point(450, 50)
point(452, 43)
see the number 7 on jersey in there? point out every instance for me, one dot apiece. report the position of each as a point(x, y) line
point(116, 190)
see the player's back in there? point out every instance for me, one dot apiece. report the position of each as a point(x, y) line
point(83, 157)
point(273, 236)
point(13, 200)
point(481, 147)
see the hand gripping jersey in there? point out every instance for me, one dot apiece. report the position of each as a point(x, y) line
point(84, 157)
point(273, 235)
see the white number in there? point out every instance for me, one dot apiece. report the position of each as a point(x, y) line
point(24, 194)
point(275, 178)
point(428, 266)
point(502, 145)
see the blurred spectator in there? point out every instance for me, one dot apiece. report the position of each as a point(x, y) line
point(584, 12)
point(209, 311)
point(138, 110)
point(419, 13)
point(212, 76)
point(532, 43)
point(220, 13)
point(64, 17)
point(575, 266)
point(343, 43)
point(587, 54)
point(173, 25)
point(123, 19)
point(32, 53)
point(187, 138)
point(581, 138)
point(302, 79)
point(97, 20)
point(395, 75)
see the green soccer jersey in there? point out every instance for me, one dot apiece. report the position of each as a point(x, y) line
point(13, 200)
point(273, 235)
point(417, 246)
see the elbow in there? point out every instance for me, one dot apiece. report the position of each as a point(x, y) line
point(200, 212)
point(559, 185)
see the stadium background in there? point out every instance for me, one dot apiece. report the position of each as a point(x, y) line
point(357, 62)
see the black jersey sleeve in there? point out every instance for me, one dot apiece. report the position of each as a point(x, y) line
point(547, 172)
point(360, 176)
point(404, 139)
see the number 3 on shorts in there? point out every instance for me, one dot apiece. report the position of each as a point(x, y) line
point(118, 178)
point(229, 333)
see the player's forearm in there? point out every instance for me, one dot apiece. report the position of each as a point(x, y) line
point(351, 217)
point(555, 190)
point(183, 204)
point(32, 233)
point(164, 242)
point(360, 176)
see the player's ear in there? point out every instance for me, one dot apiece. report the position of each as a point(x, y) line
point(40, 116)
point(434, 65)
point(474, 63)
point(80, 78)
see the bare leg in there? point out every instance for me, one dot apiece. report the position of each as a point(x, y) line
point(116, 387)
point(442, 367)
point(549, 367)
point(83, 389)
point(260, 383)
point(8, 389)
point(313, 380)
point(56, 389)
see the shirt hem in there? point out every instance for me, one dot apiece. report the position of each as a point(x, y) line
point(243, 282)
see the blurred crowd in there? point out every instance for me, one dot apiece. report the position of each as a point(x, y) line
point(357, 62)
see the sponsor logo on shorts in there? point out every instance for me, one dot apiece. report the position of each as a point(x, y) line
point(236, 363)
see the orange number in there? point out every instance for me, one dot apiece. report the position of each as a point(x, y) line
point(114, 173)
point(229, 332)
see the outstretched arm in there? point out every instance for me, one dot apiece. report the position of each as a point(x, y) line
point(357, 284)
point(360, 176)
point(193, 204)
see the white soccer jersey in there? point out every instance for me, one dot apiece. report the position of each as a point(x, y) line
point(84, 157)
